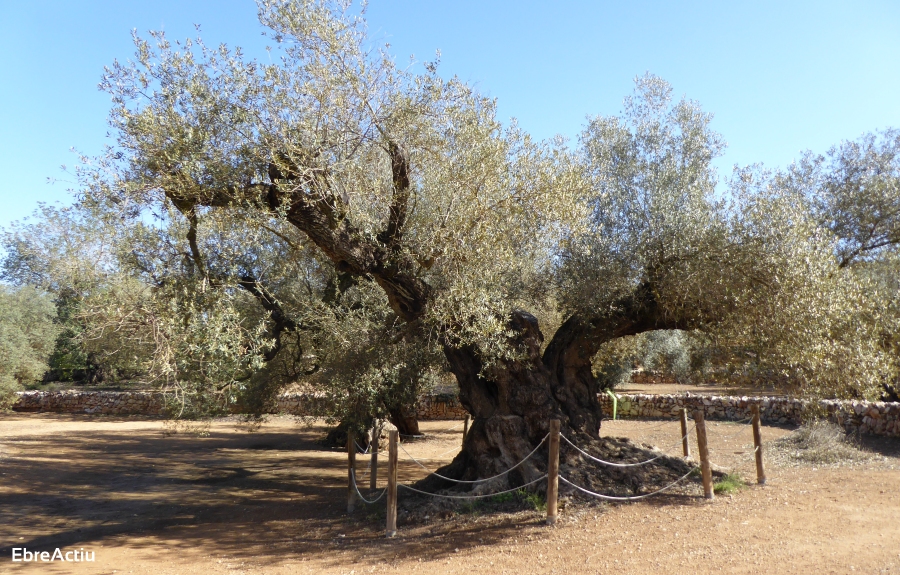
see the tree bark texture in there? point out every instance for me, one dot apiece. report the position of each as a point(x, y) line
point(513, 403)
point(405, 420)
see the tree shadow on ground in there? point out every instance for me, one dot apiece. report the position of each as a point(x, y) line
point(268, 496)
point(263, 496)
point(885, 446)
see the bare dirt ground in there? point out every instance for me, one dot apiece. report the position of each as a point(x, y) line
point(274, 501)
point(659, 388)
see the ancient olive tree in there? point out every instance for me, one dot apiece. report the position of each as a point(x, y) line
point(407, 185)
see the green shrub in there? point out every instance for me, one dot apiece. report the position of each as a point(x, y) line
point(536, 500)
point(731, 483)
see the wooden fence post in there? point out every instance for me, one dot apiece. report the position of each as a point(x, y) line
point(553, 472)
point(373, 458)
point(703, 448)
point(351, 467)
point(465, 429)
point(685, 443)
point(757, 444)
point(391, 527)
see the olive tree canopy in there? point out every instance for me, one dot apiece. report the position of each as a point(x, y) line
point(853, 192)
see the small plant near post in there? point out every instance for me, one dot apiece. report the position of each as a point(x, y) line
point(729, 484)
point(553, 472)
point(373, 458)
point(703, 448)
point(351, 467)
point(757, 444)
point(391, 523)
point(685, 443)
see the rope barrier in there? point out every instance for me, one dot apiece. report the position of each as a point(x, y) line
point(663, 424)
point(365, 471)
point(424, 436)
point(632, 498)
point(541, 478)
point(740, 431)
point(452, 449)
point(613, 464)
point(454, 428)
point(742, 421)
point(358, 494)
point(476, 480)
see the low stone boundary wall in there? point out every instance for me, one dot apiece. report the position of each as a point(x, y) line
point(94, 402)
point(873, 418)
point(866, 417)
point(440, 407)
point(153, 404)
point(430, 407)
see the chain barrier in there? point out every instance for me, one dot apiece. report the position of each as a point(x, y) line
point(632, 498)
point(541, 478)
point(476, 480)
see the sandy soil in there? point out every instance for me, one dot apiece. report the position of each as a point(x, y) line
point(658, 388)
point(274, 501)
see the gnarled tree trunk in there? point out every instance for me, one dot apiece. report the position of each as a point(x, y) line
point(405, 420)
point(512, 403)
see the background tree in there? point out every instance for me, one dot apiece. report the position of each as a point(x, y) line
point(27, 336)
point(853, 191)
point(65, 253)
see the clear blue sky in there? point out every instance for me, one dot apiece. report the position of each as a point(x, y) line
point(779, 76)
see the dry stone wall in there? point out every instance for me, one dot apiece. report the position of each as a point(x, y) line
point(93, 402)
point(866, 417)
point(873, 418)
point(150, 403)
point(430, 406)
